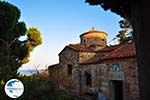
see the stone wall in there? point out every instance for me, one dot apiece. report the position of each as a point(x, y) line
point(100, 74)
point(101, 81)
point(70, 56)
point(94, 38)
point(130, 82)
point(84, 56)
point(94, 41)
point(94, 70)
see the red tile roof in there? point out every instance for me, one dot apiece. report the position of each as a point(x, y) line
point(125, 50)
point(113, 52)
point(81, 48)
point(109, 48)
point(78, 48)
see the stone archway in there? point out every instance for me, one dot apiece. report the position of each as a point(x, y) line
point(86, 81)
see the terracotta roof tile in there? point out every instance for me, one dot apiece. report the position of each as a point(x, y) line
point(113, 52)
point(79, 47)
point(109, 48)
point(125, 50)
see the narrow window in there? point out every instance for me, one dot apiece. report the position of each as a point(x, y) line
point(116, 67)
point(88, 81)
point(84, 40)
point(69, 66)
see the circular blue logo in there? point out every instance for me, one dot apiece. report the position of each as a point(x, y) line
point(14, 88)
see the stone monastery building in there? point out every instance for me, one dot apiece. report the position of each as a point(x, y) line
point(93, 67)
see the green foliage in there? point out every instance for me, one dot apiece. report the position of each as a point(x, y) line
point(125, 24)
point(34, 39)
point(14, 52)
point(38, 87)
point(122, 36)
point(34, 36)
point(125, 34)
point(60, 79)
point(9, 16)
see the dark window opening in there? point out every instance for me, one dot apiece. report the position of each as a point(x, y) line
point(84, 40)
point(103, 39)
point(88, 81)
point(117, 87)
point(116, 67)
point(69, 69)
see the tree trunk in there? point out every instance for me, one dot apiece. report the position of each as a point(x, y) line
point(140, 20)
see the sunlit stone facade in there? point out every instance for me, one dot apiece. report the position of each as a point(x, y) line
point(94, 67)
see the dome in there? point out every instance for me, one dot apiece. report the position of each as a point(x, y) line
point(94, 38)
point(94, 33)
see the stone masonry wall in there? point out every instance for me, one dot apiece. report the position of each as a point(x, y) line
point(130, 82)
point(69, 56)
point(84, 56)
point(101, 81)
point(97, 72)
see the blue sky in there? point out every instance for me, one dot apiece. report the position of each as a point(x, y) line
point(61, 22)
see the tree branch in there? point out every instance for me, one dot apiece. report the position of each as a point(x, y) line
point(4, 41)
